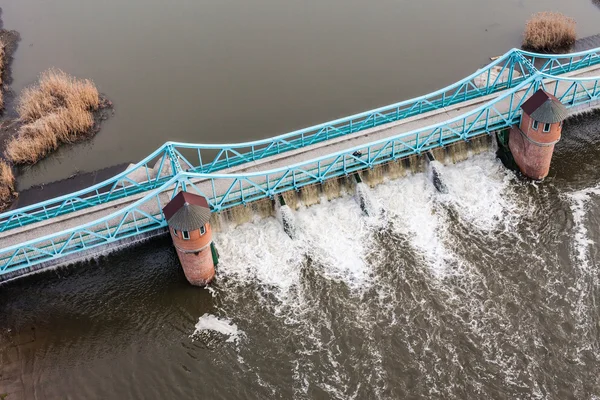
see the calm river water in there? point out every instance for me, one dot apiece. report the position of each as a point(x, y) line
point(488, 291)
point(231, 70)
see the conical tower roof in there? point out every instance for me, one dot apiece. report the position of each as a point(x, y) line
point(544, 107)
point(187, 212)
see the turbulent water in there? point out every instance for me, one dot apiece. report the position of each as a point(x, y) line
point(490, 290)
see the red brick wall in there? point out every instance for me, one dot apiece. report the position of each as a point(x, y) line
point(196, 242)
point(197, 267)
point(539, 135)
point(195, 255)
point(533, 159)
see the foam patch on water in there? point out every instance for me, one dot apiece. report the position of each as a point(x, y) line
point(338, 237)
point(480, 189)
point(209, 322)
point(261, 252)
point(414, 213)
point(342, 242)
point(285, 216)
point(588, 277)
point(578, 202)
point(365, 200)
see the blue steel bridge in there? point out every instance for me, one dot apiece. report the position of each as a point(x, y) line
point(127, 207)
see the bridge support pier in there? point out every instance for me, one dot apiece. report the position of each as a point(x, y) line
point(533, 157)
point(188, 217)
point(198, 266)
point(532, 142)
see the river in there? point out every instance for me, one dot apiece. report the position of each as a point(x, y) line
point(230, 71)
point(489, 291)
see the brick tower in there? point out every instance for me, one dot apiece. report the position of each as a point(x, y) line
point(188, 218)
point(532, 142)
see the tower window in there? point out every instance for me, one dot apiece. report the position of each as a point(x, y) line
point(185, 235)
point(546, 127)
point(534, 125)
point(175, 232)
point(202, 230)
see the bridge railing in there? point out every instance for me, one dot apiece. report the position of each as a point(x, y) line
point(507, 71)
point(158, 167)
point(503, 73)
point(148, 174)
point(554, 64)
point(224, 191)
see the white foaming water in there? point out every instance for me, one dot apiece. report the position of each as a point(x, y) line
point(261, 252)
point(588, 277)
point(411, 204)
point(285, 215)
point(209, 322)
point(578, 201)
point(480, 189)
point(338, 237)
point(366, 201)
point(480, 192)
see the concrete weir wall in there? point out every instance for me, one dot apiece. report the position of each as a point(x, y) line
point(306, 196)
point(84, 255)
point(337, 187)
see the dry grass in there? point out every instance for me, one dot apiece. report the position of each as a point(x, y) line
point(2, 66)
point(34, 104)
point(33, 142)
point(57, 110)
point(549, 31)
point(56, 90)
point(7, 183)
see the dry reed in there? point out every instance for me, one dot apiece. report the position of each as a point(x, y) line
point(7, 183)
point(2, 66)
point(549, 31)
point(56, 90)
point(57, 110)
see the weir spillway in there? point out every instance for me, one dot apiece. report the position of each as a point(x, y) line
point(128, 208)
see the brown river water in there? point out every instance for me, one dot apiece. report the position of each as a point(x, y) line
point(489, 291)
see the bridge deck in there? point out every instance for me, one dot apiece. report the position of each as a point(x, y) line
point(50, 226)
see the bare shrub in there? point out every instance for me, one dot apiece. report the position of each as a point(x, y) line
point(549, 31)
point(56, 110)
point(57, 84)
point(55, 90)
point(72, 124)
point(34, 104)
point(7, 184)
point(33, 142)
point(2, 66)
point(85, 95)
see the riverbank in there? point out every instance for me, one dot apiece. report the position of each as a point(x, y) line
point(8, 45)
point(59, 109)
